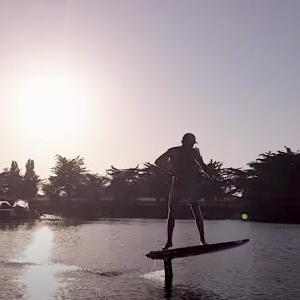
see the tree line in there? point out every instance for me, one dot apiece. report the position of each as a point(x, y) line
point(14, 184)
point(267, 188)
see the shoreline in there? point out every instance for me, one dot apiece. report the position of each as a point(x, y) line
point(142, 210)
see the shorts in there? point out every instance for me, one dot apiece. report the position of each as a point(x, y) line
point(184, 191)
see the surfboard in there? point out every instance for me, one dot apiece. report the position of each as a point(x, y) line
point(195, 250)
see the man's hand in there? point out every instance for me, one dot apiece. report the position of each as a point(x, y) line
point(208, 176)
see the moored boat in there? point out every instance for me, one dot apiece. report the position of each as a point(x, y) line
point(18, 211)
point(5, 210)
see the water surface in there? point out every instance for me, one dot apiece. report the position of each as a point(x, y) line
point(106, 260)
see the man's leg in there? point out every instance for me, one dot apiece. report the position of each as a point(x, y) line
point(195, 207)
point(171, 225)
point(171, 216)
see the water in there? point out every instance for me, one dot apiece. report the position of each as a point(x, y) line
point(106, 260)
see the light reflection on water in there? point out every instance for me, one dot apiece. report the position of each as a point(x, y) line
point(39, 248)
point(39, 277)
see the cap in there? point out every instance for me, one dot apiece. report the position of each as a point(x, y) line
point(189, 138)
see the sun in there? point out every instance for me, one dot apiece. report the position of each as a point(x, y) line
point(51, 105)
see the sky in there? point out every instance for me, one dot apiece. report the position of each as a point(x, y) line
point(120, 82)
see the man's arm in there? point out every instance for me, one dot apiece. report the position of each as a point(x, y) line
point(200, 162)
point(163, 160)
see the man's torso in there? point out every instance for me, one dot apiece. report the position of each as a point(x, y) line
point(183, 163)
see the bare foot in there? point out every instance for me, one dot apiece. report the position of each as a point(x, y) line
point(167, 246)
point(203, 243)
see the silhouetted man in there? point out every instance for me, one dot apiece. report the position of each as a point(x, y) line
point(183, 162)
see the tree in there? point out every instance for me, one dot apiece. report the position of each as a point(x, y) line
point(14, 180)
point(156, 182)
point(220, 186)
point(3, 181)
point(273, 193)
point(237, 181)
point(125, 185)
point(51, 189)
point(212, 190)
point(30, 181)
point(69, 176)
point(94, 187)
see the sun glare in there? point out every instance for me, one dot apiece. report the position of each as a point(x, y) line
point(51, 105)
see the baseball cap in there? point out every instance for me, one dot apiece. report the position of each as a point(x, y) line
point(189, 138)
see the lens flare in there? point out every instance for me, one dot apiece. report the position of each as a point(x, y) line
point(244, 216)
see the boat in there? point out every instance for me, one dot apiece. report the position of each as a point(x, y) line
point(18, 211)
point(5, 210)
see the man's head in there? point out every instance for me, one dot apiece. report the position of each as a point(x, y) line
point(188, 140)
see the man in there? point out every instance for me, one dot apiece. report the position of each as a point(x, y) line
point(183, 162)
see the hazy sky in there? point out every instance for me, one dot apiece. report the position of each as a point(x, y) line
point(120, 82)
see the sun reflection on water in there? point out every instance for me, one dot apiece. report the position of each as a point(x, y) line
point(39, 248)
point(39, 279)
